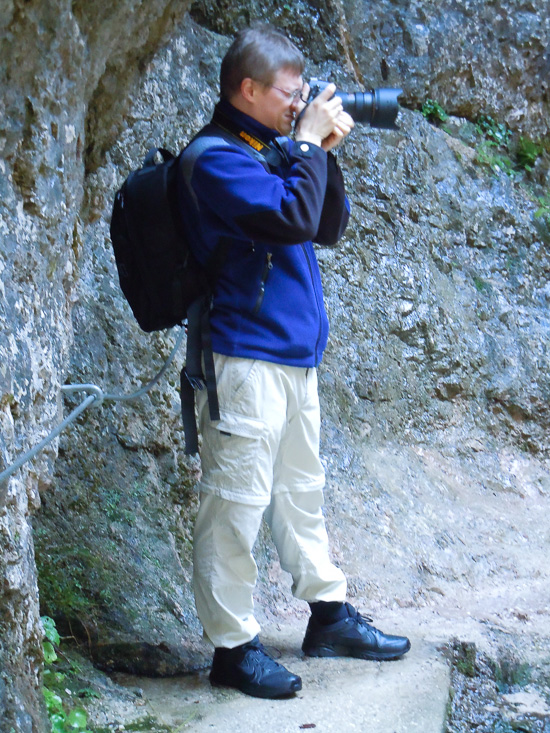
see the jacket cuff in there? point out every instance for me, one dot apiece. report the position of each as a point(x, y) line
point(303, 149)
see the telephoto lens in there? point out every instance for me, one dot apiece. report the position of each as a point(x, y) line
point(378, 107)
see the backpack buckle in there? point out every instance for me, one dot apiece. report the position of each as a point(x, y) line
point(195, 382)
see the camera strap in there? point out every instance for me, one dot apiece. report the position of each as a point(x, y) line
point(271, 153)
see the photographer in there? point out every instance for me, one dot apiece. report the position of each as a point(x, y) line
point(262, 208)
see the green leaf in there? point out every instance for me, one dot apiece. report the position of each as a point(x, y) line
point(49, 652)
point(50, 632)
point(76, 720)
point(57, 722)
point(53, 702)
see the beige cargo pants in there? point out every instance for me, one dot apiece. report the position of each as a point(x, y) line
point(260, 460)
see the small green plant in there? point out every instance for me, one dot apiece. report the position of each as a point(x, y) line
point(493, 151)
point(498, 150)
point(489, 154)
point(527, 153)
point(75, 720)
point(52, 639)
point(496, 132)
point(434, 112)
point(544, 209)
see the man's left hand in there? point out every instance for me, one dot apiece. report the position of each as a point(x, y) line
point(342, 124)
point(342, 127)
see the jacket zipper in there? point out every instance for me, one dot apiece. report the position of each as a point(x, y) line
point(265, 274)
point(316, 299)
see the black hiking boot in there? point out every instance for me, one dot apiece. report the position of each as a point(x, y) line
point(251, 670)
point(352, 637)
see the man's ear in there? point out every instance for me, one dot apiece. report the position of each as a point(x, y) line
point(249, 90)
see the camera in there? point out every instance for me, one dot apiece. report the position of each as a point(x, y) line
point(378, 107)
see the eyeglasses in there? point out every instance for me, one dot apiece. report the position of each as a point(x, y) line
point(289, 95)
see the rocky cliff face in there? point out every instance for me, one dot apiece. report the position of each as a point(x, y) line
point(435, 385)
point(56, 60)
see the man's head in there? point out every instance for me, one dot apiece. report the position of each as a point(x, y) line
point(261, 75)
point(258, 53)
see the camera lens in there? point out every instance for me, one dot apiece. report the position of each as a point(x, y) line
point(378, 107)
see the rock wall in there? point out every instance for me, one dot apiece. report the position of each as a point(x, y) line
point(434, 387)
point(473, 58)
point(56, 60)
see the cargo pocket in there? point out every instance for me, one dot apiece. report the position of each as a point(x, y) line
point(233, 458)
point(238, 390)
point(231, 423)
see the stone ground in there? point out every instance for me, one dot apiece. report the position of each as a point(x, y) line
point(337, 695)
point(404, 696)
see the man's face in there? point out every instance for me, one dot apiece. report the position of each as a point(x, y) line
point(275, 107)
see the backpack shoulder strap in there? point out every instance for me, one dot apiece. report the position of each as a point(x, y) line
point(199, 344)
point(189, 156)
point(210, 136)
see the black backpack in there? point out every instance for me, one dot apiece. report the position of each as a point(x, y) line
point(158, 273)
point(160, 277)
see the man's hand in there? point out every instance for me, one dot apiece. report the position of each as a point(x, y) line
point(342, 127)
point(324, 122)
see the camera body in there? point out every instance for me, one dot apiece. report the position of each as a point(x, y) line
point(378, 107)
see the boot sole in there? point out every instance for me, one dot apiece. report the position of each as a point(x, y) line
point(342, 651)
point(265, 694)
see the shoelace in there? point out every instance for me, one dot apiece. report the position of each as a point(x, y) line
point(360, 618)
point(260, 659)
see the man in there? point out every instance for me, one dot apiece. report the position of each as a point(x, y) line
point(261, 199)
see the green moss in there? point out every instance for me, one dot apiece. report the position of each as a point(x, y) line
point(510, 673)
point(60, 591)
point(527, 153)
point(66, 575)
point(481, 285)
point(7, 399)
point(465, 659)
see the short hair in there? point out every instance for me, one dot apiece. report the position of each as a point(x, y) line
point(258, 52)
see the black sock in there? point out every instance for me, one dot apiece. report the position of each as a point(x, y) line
point(328, 612)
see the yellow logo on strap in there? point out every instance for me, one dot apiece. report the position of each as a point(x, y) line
point(252, 141)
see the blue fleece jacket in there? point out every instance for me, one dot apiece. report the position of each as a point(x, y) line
point(268, 299)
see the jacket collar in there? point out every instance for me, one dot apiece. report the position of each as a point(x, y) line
point(241, 125)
